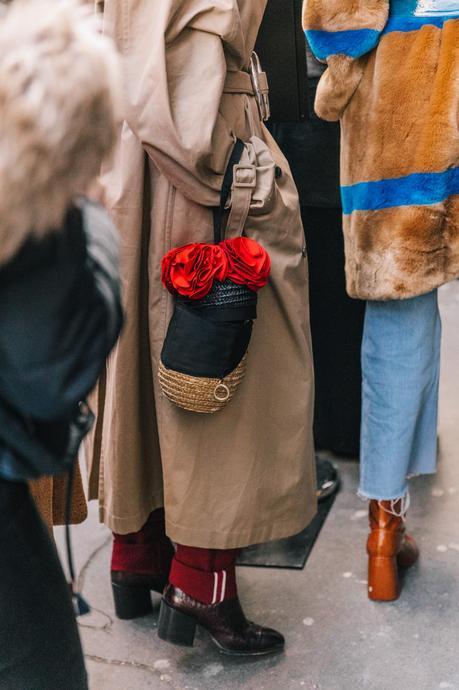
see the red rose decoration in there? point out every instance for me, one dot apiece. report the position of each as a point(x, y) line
point(249, 263)
point(166, 264)
point(192, 269)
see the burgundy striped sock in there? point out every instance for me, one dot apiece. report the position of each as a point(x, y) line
point(146, 552)
point(208, 575)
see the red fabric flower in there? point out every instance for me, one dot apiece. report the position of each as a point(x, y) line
point(249, 263)
point(192, 269)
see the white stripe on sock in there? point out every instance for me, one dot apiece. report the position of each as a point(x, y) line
point(223, 586)
point(214, 599)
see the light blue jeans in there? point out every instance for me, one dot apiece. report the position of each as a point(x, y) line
point(401, 367)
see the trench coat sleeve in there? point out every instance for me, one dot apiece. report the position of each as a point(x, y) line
point(341, 33)
point(175, 81)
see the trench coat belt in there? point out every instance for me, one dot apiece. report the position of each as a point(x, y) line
point(238, 82)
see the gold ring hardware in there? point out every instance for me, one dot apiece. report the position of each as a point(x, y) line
point(222, 392)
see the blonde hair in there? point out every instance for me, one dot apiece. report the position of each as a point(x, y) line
point(59, 103)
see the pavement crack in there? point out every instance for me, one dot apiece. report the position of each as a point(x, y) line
point(84, 569)
point(122, 662)
point(104, 628)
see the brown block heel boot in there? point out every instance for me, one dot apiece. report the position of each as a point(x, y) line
point(226, 623)
point(389, 550)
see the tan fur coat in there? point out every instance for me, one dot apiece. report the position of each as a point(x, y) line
point(393, 81)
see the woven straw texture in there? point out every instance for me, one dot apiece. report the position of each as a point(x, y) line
point(199, 394)
point(228, 294)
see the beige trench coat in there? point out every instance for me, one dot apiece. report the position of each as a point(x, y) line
point(246, 474)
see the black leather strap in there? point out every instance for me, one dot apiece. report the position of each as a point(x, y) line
point(226, 189)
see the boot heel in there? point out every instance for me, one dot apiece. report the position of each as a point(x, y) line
point(175, 627)
point(383, 582)
point(131, 602)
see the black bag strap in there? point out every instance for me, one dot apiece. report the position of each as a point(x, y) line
point(218, 212)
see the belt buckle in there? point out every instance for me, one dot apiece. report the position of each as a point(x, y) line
point(261, 91)
point(244, 176)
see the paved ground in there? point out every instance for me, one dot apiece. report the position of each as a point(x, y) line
point(336, 638)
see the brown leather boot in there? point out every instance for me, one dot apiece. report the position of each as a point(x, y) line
point(226, 623)
point(389, 549)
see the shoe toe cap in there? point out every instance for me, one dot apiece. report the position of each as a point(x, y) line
point(268, 639)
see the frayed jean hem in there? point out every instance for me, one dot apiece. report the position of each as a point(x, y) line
point(366, 495)
point(370, 496)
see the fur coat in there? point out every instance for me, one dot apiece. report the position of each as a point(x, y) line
point(59, 100)
point(393, 81)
